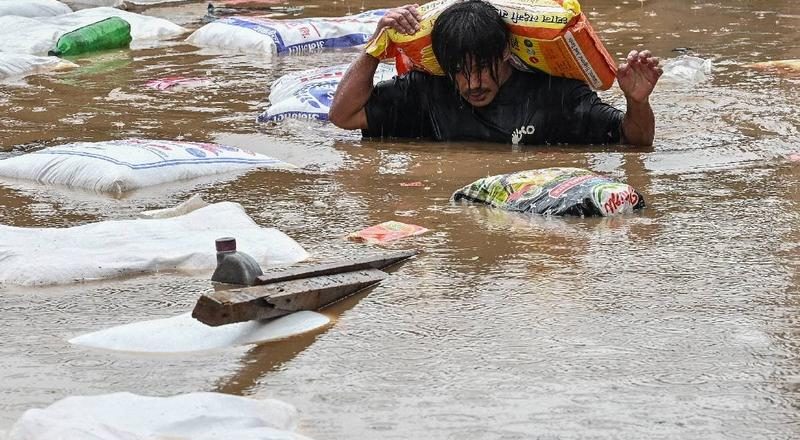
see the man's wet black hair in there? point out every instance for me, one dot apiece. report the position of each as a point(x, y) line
point(469, 32)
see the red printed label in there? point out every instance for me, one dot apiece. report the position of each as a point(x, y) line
point(569, 183)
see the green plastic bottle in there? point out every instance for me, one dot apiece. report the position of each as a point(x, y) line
point(111, 33)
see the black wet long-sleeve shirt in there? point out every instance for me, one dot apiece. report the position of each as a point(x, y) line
point(530, 108)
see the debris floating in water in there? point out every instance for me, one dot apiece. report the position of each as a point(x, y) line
point(792, 66)
point(387, 231)
point(687, 69)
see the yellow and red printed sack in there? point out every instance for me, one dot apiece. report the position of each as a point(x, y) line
point(553, 36)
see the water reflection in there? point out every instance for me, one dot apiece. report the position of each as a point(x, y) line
point(265, 358)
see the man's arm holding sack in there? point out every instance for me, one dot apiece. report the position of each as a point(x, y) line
point(347, 110)
point(637, 77)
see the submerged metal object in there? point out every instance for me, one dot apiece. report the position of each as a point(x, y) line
point(291, 290)
point(234, 267)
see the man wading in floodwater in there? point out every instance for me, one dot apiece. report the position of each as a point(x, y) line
point(482, 97)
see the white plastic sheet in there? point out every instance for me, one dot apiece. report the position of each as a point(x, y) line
point(124, 165)
point(14, 65)
point(295, 36)
point(308, 94)
point(36, 36)
point(686, 70)
point(47, 256)
point(182, 333)
point(126, 416)
point(33, 8)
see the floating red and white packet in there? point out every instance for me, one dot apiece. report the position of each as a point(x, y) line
point(387, 231)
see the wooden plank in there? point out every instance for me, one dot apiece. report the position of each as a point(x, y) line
point(281, 298)
point(379, 261)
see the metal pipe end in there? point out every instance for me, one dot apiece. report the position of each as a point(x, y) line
point(225, 244)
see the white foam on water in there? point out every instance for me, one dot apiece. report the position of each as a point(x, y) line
point(126, 416)
point(183, 333)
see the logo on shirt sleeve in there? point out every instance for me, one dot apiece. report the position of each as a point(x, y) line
point(517, 135)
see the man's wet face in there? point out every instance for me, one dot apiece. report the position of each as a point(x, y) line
point(478, 88)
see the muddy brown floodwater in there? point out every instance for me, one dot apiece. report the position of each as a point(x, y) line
point(678, 322)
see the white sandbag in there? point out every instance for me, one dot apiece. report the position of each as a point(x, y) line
point(84, 4)
point(38, 36)
point(308, 94)
point(13, 65)
point(45, 256)
point(271, 36)
point(183, 334)
point(124, 165)
point(33, 8)
point(127, 416)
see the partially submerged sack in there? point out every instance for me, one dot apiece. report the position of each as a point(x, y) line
point(554, 191)
point(126, 416)
point(271, 36)
point(308, 94)
point(45, 256)
point(39, 36)
point(549, 35)
point(33, 8)
point(123, 165)
point(13, 65)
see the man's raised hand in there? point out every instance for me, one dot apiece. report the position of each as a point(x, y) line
point(638, 75)
point(404, 19)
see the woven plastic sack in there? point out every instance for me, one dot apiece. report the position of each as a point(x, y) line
point(549, 35)
point(108, 249)
point(554, 191)
point(33, 8)
point(124, 165)
point(86, 4)
point(13, 65)
point(308, 94)
point(126, 416)
point(295, 36)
